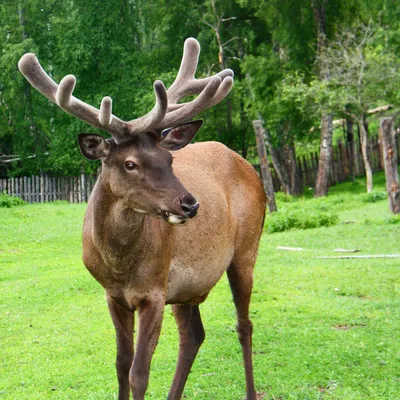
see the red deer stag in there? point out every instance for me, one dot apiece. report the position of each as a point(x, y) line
point(134, 240)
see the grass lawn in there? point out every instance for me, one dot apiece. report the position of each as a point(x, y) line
point(323, 328)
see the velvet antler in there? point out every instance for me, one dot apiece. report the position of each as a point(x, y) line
point(166, 112)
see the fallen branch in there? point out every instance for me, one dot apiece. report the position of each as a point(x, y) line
point(289, 248)
point(365, 256)
point(346, 251)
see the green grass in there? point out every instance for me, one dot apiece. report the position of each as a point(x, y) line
point(323, 329)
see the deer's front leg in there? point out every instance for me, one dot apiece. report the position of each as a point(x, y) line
point(150, 320)
point(123, 321)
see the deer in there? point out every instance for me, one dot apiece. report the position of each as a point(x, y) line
point(166, 218)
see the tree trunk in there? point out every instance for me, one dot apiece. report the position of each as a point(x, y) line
point(278, 165)
point(264, 166)
point(324, 165)
point(294, 173)
point(243, 130)
point(390, 160)
point(243, 114)
point(325, 157)
point(222, 60)
point(364, 151)
point(352, 148)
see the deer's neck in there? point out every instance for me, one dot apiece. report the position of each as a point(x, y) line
point(118, 230)
point(126, 251)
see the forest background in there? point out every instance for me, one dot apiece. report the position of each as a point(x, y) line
point(300, 65)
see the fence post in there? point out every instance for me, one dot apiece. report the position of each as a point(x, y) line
point(83, 188)
point(390, 160)
point(264, 166)
point(41, 179)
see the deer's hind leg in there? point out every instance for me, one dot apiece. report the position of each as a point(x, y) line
point(191, 336)
point(240, 275)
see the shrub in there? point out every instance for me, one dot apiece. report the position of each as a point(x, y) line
point(284, 198)
point(373, 197)
point(394, 219)
point(337, 200)
point(7, 201)
point(284, 220)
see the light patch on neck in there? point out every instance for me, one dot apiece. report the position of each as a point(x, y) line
point(140, 211)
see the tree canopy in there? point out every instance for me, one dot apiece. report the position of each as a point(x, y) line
point(119, 47)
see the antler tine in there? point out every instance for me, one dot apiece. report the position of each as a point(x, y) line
point(223, 91)
point(187, 69)
point(62, 96)
point(211, 90)
point(64, 91)
point(34, 73)
point(106, 111)
point(185, 83)
point(156, 115)
point(213, 93)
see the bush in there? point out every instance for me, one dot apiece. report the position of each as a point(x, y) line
point(285, 220)
point(7, 201)
point(394, 219)
point(373, 197)
point(285, 198)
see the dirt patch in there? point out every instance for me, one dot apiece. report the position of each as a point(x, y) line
point(347, 327)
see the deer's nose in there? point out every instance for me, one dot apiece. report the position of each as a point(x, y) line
point(189, 205)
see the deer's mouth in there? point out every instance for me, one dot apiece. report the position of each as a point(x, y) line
point(173, 219)
point(188, 210)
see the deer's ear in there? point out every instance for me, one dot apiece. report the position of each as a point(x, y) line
point(179, 136)
point(93, 147)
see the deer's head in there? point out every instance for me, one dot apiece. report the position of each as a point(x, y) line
point(140, 171)
point(137, 163)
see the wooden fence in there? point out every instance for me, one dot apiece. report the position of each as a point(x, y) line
point(340, 164)
point(43, 188)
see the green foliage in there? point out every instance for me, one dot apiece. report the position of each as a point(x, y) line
point(285, 220)
point(373, 197)
point(120, 48)
point(303, 212)
point(281, 197)
point(7, 201)
point(394, 219)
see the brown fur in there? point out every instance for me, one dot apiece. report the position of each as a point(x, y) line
point(143, 262)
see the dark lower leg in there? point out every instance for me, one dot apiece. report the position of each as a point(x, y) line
point(150, 320)
point(241, 282)
point(191, 336)
point(245, 331)
point(123, 322)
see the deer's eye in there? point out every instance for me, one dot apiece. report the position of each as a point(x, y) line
point(130, 165)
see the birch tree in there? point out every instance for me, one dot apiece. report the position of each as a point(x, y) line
point(365, 71)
